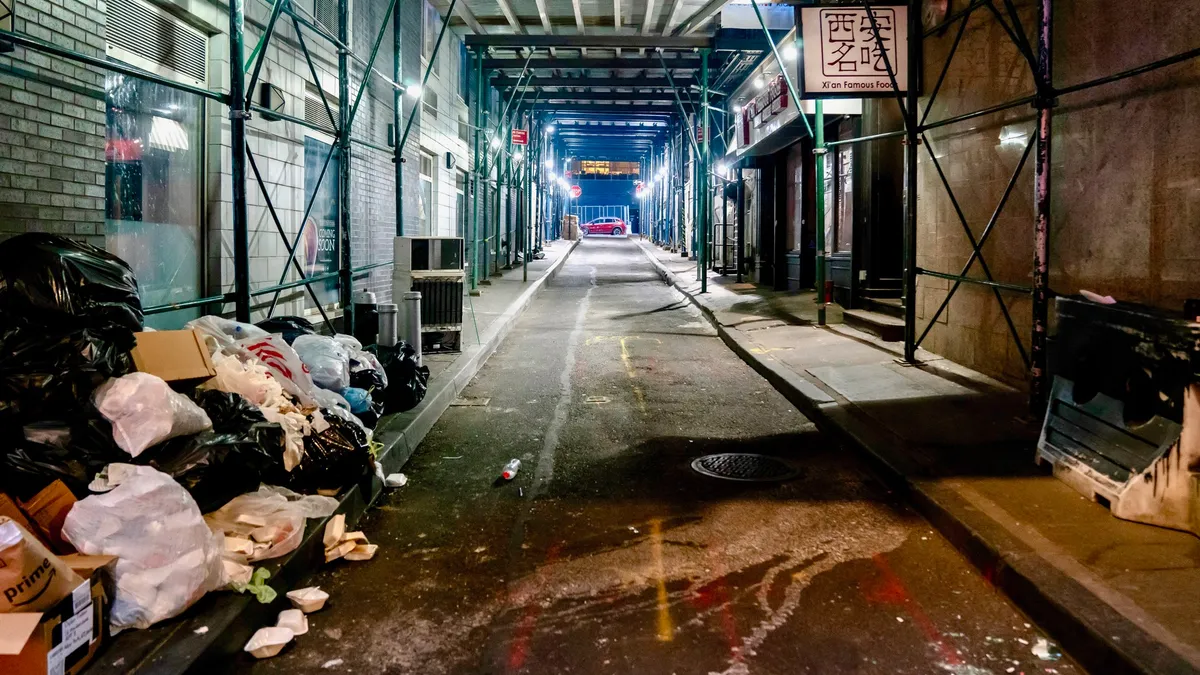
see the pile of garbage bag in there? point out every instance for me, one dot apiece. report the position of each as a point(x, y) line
point(141, 453)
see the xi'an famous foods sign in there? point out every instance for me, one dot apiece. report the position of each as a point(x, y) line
point(846, 54)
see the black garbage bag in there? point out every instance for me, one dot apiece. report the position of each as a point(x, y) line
point(51, 375)
point(49, 451)
point(53, 280)
point(371, 381)
point(229, 412)
point(407, 381)
point(216, 467)
point(334, 458)
point(291, 327)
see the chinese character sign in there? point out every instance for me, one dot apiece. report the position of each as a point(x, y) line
point(846, 54)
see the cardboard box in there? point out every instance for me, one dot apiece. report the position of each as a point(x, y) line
point(9, 509)
point(63, 640)
point(174, 355)
point(48, 509)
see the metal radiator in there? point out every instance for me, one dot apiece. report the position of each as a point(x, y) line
point(441, 302)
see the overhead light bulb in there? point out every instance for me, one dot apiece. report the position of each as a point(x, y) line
point(495, 143)
point(760, 83)
point(737, 109)
point(789, 53)
point(722, 167)
point(414, 90)
point(550, 129)
point(549, 164)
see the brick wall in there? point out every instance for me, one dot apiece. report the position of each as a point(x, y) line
point(52, 125)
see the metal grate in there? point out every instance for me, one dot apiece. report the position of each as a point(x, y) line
point(314, 109)
point(149, 33)
point(744, 467)
point(326, 13)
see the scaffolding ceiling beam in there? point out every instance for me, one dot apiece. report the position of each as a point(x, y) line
point(686, 42)
point(505, 82)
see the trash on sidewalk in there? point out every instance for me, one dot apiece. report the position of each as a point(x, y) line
point(331, 663)
point(144, 411)
point(510, 470)
point(177, 356)
point(257, 586)
point(1046, 650)
point(308, 600)
point(167, 558)
point(293, 619)
point(32, 577)
point(269, 641)
point(362, 552)
point(267, 523)
point(407, 379)
point(395, 480)
point(334, 530)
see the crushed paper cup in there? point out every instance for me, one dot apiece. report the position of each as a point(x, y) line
point(334, 529)
point(308, 600)
point(293, 619)
point(238, 545)
point(269, 641)
point(237, 573)
point(339, 551)
point(251, 520)
point(362, 552)
point(396, 480)
point(354, 536)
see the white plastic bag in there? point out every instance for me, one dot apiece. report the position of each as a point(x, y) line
point(220, 333)
point(283, 363)
point(248, 378)
point(167, 558)
point(326, 358)
point(272, 513)
point(145, 411)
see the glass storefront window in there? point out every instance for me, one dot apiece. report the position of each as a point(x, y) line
point(153, 152)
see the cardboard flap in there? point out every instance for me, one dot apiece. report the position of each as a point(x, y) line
point(15, 630)
point(173, 355)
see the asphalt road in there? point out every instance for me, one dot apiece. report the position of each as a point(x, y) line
point(608, 554)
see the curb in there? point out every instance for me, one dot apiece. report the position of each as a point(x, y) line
point(1092, 631)
point(228, 620)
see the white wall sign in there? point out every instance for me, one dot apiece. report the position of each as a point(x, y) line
point(843, 57)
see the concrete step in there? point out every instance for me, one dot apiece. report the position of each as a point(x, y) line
point(888, 328)
point(890, 306)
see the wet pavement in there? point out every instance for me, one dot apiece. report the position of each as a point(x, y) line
point(608, 554)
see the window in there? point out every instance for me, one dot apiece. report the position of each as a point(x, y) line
point(427, 210)
point(464, 73)
point(430, 102)
point(152, 220)
point(433, 25)
point(839, 199)
point(464, 130)
point(460, 192)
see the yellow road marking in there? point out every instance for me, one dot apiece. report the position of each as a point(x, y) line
point(666, 630)
point(629, 370)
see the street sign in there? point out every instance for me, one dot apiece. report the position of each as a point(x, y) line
point(843, 55)
point(520, 137)
point(576, 191)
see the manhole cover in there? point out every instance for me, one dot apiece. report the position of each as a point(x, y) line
point(744, 466)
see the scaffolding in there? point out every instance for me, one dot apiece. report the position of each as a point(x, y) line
point(244, 74)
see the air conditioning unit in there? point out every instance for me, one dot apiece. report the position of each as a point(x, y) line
point(433, 266)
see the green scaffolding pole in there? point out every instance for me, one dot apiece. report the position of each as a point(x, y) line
point(480, 162)
point(705, 185)
point(820, 151)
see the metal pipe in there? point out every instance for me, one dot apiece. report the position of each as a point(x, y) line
point(278, 288)
point(1039, 385)
point(397, 105)
point(864, 139)
point(344, 54)
point(683, 113)
point(739, 253)
point(1154, 65)
point(259, 53)
point(978, 282)
point(1024, 100)
point(475, 182)
point(372, 266)
point(428, 70)
point(237, 135)
point(187, 304)
point(706, 195)
point(787, 78)
point(819, 152)
point(912, 138)
point(312, 70)
point(345, 280)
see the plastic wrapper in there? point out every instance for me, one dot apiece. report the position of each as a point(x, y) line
point(167, 557)
point(327, 359)
point(274, 508)
point(290, 327)
point(50, 375)
point(407, 381)
point(53, 451)
point(283, 363)
point(359, 399)
point(248, 378)
point(334, 458)
point(220, 333)
point(145, 411)
point(57, 281)
point(370, 381)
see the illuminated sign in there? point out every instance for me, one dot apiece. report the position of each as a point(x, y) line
point(848, 51)
point(520, 137)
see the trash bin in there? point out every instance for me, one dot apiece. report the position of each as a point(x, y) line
point(366, 318)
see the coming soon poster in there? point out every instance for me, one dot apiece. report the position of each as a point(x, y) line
point(320, 244)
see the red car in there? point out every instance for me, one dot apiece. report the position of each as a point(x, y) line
point(606, 225)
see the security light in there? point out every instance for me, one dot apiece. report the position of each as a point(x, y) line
point(414, 90)
point(789, 53)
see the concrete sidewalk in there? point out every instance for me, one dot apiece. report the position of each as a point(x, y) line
point(203, 639)
point(1119, 596)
